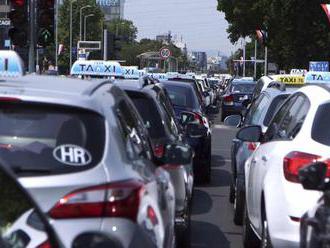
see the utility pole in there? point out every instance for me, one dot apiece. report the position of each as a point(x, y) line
point(255, 59)
point(244, 56)
point(105, 44)
point(71, 2)
point(56, 35)
point(32, 47)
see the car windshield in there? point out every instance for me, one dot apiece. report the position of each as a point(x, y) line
point(274, 106)
point(242, 88)
point(181, 96)
point(42, 140)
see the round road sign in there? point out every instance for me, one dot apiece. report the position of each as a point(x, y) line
point(165, 53)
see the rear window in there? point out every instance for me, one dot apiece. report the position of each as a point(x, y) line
point(181, 96)
point(151, 117)
point(320, 129)
point(242, 88)
point(39, 140)
point(274, 106)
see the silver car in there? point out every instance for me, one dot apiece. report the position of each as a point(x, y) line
point(81, 150)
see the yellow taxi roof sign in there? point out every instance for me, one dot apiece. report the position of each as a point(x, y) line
point(294, 80)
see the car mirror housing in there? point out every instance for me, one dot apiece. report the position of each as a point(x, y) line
point(250, 134)
point(178, 154)
point(233, 120)
point(186, 117)
point(313, 176)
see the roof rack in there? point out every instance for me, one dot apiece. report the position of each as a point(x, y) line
point(278, 85)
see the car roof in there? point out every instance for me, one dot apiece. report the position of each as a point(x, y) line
point(138, 86)
point(178, 83)
point(275, 91)
point(54, 90)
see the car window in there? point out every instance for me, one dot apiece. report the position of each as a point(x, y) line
point(257, 111)
point(294, 119)
point(181, 96)
point(320, 129)
point(258, 88)
point(168, 116)
point(38, 140)
point(274, 106)
point(242, 88)
point(272, 131)
point(133, 133)
point(19, 221)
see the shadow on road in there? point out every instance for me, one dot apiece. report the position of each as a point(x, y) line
point(206, 235)
point(202, 202)
point(218, 161)
point(219, 178)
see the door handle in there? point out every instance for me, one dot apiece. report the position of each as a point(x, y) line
point(264, 158)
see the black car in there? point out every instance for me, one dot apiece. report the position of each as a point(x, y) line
point(238, 91)
point(155, 108)
point(187, 104)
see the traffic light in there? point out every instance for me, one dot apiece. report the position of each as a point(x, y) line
point(45, 22)
point(114, 45)
point(18, 15)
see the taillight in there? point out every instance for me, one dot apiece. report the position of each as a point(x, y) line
point(228, 100)
point(159, 150)
point(294, 161)
point(46, 244)
point(170, 166)
point(252, 146)
point(151, 214)
point(199, 118)
point(10, 99)
point(120, 199)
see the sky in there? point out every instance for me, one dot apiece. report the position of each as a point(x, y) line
point(202, 27)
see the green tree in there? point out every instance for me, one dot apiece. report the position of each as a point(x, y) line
point(298, 30)
point(94, 28)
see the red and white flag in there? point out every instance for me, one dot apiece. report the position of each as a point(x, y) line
point(326, 8)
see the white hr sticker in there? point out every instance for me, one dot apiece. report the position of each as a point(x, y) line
point(72, 155)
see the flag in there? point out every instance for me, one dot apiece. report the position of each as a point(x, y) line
point(326, 8)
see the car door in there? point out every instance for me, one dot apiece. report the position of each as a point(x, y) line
point(255, 163)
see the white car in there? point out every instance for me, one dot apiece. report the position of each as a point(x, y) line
point(298, 135)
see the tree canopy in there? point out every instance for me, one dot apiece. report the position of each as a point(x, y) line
point(298, 31)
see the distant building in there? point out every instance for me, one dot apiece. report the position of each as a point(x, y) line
point(165, 38)
point(112, 9)
point(200, 60)
point(181, 44)
point(4, 27)
point(217, 63)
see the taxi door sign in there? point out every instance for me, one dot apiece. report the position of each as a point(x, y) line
point(130, 72)
point(290, 79)
point(11, 64)
point(318, 77)
point(97, 68)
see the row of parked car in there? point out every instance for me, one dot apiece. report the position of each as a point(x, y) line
point(101, 162)
point(280, 162)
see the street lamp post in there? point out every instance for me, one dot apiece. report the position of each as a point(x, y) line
point(71, 2)
point(85, 24)
point(81, 10)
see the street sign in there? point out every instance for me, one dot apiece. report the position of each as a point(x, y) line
point(165, 53)
point(319, 66)
point(89, 45)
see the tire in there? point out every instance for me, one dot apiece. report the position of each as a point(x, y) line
point(250, 240)
point(223, 116)
point(239, 201)
point(232, 193)
point(207, 172)
point(183, 235)
point(265, 238)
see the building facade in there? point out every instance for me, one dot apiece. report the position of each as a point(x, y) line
point(200, 60)
point(112, 9)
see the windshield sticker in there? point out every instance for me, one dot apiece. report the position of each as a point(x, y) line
point(72, 155)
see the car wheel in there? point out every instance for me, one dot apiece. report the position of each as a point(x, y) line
point(223, 116)
point(265, 239)
point(231, 193)
point(239, 201)
point(183, 236)
point(250, 240)
point(207, 175)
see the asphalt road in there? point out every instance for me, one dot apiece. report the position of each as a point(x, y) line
point(212, 215)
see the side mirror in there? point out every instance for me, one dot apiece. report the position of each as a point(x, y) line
point(186, 117)
point(233, 120)
point(95, 240)
point(195, 130)
point(178, 154)
point(313, 176)
point(250, 134)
